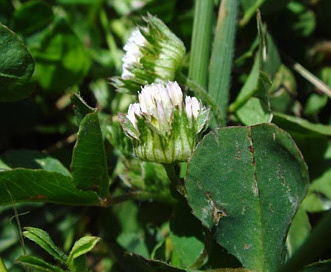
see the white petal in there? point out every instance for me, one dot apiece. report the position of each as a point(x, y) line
point(133, 52)
point(136, 38)
point(196, 107)
point(147, 100)
point(133, 112)
point(164, 100)
point(175, 93)
point(188, 107)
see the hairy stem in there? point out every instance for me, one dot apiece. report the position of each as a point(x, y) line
point(175, 180)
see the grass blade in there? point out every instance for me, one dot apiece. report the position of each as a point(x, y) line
point(222, 54)
point(201, 39)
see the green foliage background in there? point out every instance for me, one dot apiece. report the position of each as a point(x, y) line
point(271, 67)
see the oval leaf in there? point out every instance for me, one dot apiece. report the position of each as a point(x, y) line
point(16, 67)
point(89, 162)
point(245, 184)
point(82, 246)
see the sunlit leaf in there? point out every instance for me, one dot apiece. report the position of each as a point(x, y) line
point(81, 247)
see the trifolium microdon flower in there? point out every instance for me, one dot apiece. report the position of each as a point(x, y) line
point(153, 54)
point(163, 126)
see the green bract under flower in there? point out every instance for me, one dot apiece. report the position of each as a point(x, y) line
point(153, 54)
point(164, 127)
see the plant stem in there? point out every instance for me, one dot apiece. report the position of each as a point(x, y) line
point(175, 180)
point(204, 96)
point(312, 247)
point(138, 195)
point(319, 84)
point(310, 77)
point(204, 254)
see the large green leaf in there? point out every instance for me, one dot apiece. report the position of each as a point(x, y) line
point(29, 185)
point(246, 184)
point(16, 67)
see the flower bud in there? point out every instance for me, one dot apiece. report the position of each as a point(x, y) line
point(153, 55)
point(163, 126)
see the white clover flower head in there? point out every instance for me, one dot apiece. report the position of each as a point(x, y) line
point(133, 53)
point(164, 127)
point(153, 54)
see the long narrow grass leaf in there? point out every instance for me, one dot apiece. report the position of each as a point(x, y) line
point(222, 54)
point(201, 39)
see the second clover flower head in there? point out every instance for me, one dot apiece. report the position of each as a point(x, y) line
point(152, 54)
point(164, 127)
